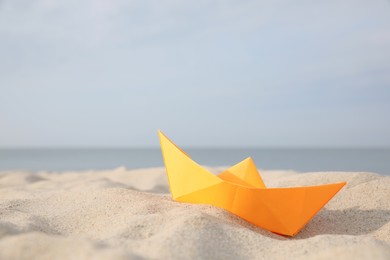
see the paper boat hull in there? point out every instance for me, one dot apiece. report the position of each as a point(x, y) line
point(280, 210)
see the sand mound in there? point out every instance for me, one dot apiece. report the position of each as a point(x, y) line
point(124, 214)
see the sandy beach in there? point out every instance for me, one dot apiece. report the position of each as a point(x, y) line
point(123, 214)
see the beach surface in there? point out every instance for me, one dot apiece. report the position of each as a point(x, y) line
point(128, 214)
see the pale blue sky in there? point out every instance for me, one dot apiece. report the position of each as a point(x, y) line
point(208, 73)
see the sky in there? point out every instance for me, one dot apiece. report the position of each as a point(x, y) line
point(110, 73)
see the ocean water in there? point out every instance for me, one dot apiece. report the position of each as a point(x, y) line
point(303, 160)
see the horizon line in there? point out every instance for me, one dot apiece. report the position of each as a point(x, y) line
point(186, 147)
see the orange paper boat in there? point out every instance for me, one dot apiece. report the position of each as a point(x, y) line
point(241, 191)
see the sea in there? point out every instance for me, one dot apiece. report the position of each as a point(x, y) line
point(297, 159)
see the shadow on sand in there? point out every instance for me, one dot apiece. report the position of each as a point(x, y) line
point(352, 221)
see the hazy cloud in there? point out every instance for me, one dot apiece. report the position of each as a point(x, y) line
point(223, 72)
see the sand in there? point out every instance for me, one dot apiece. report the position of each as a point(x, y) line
point(122, 214)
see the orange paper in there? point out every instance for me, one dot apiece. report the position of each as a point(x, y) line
point(241, 191)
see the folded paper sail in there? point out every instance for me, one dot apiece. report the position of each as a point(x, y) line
point(241, 191)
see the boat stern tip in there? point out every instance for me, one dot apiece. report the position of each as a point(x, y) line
point(161, 135)
point(340, 185)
